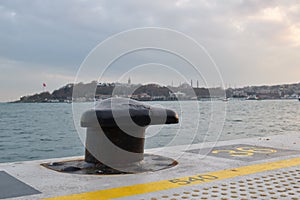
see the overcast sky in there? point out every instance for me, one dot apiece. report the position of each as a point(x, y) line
point(252, 42)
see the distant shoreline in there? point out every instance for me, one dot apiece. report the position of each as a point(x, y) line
point(154, 92)
point(201, 100)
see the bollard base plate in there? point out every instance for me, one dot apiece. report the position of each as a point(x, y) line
point(149, 164)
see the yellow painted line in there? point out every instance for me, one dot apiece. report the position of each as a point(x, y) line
point(179, 182)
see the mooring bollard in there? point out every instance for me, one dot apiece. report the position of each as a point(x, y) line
point(116, 130)
point(115, 139)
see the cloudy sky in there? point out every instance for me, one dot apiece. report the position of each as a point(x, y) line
point(252, 42)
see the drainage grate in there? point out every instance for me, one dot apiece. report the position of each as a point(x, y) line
point(275, 185)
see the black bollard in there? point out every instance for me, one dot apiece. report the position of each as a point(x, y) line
point(116, 130)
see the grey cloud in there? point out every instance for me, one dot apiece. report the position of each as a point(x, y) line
point(64, 31)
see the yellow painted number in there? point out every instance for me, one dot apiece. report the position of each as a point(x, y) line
point(192, 179)
point(245, 151)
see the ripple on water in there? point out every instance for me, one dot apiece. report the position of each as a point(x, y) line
point(45, 150)
point(47, 139)
point(236, 120)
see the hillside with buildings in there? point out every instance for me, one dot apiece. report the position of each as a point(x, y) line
point(154, 92)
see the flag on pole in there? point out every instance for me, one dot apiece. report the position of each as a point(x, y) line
point(44, 87)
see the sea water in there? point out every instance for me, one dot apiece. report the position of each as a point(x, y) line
point(31, 131)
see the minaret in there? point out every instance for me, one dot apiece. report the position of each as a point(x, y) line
point(191, 83)
point(197, 84)
point(129, 81)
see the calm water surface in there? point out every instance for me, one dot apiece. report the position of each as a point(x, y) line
point(40, 131)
